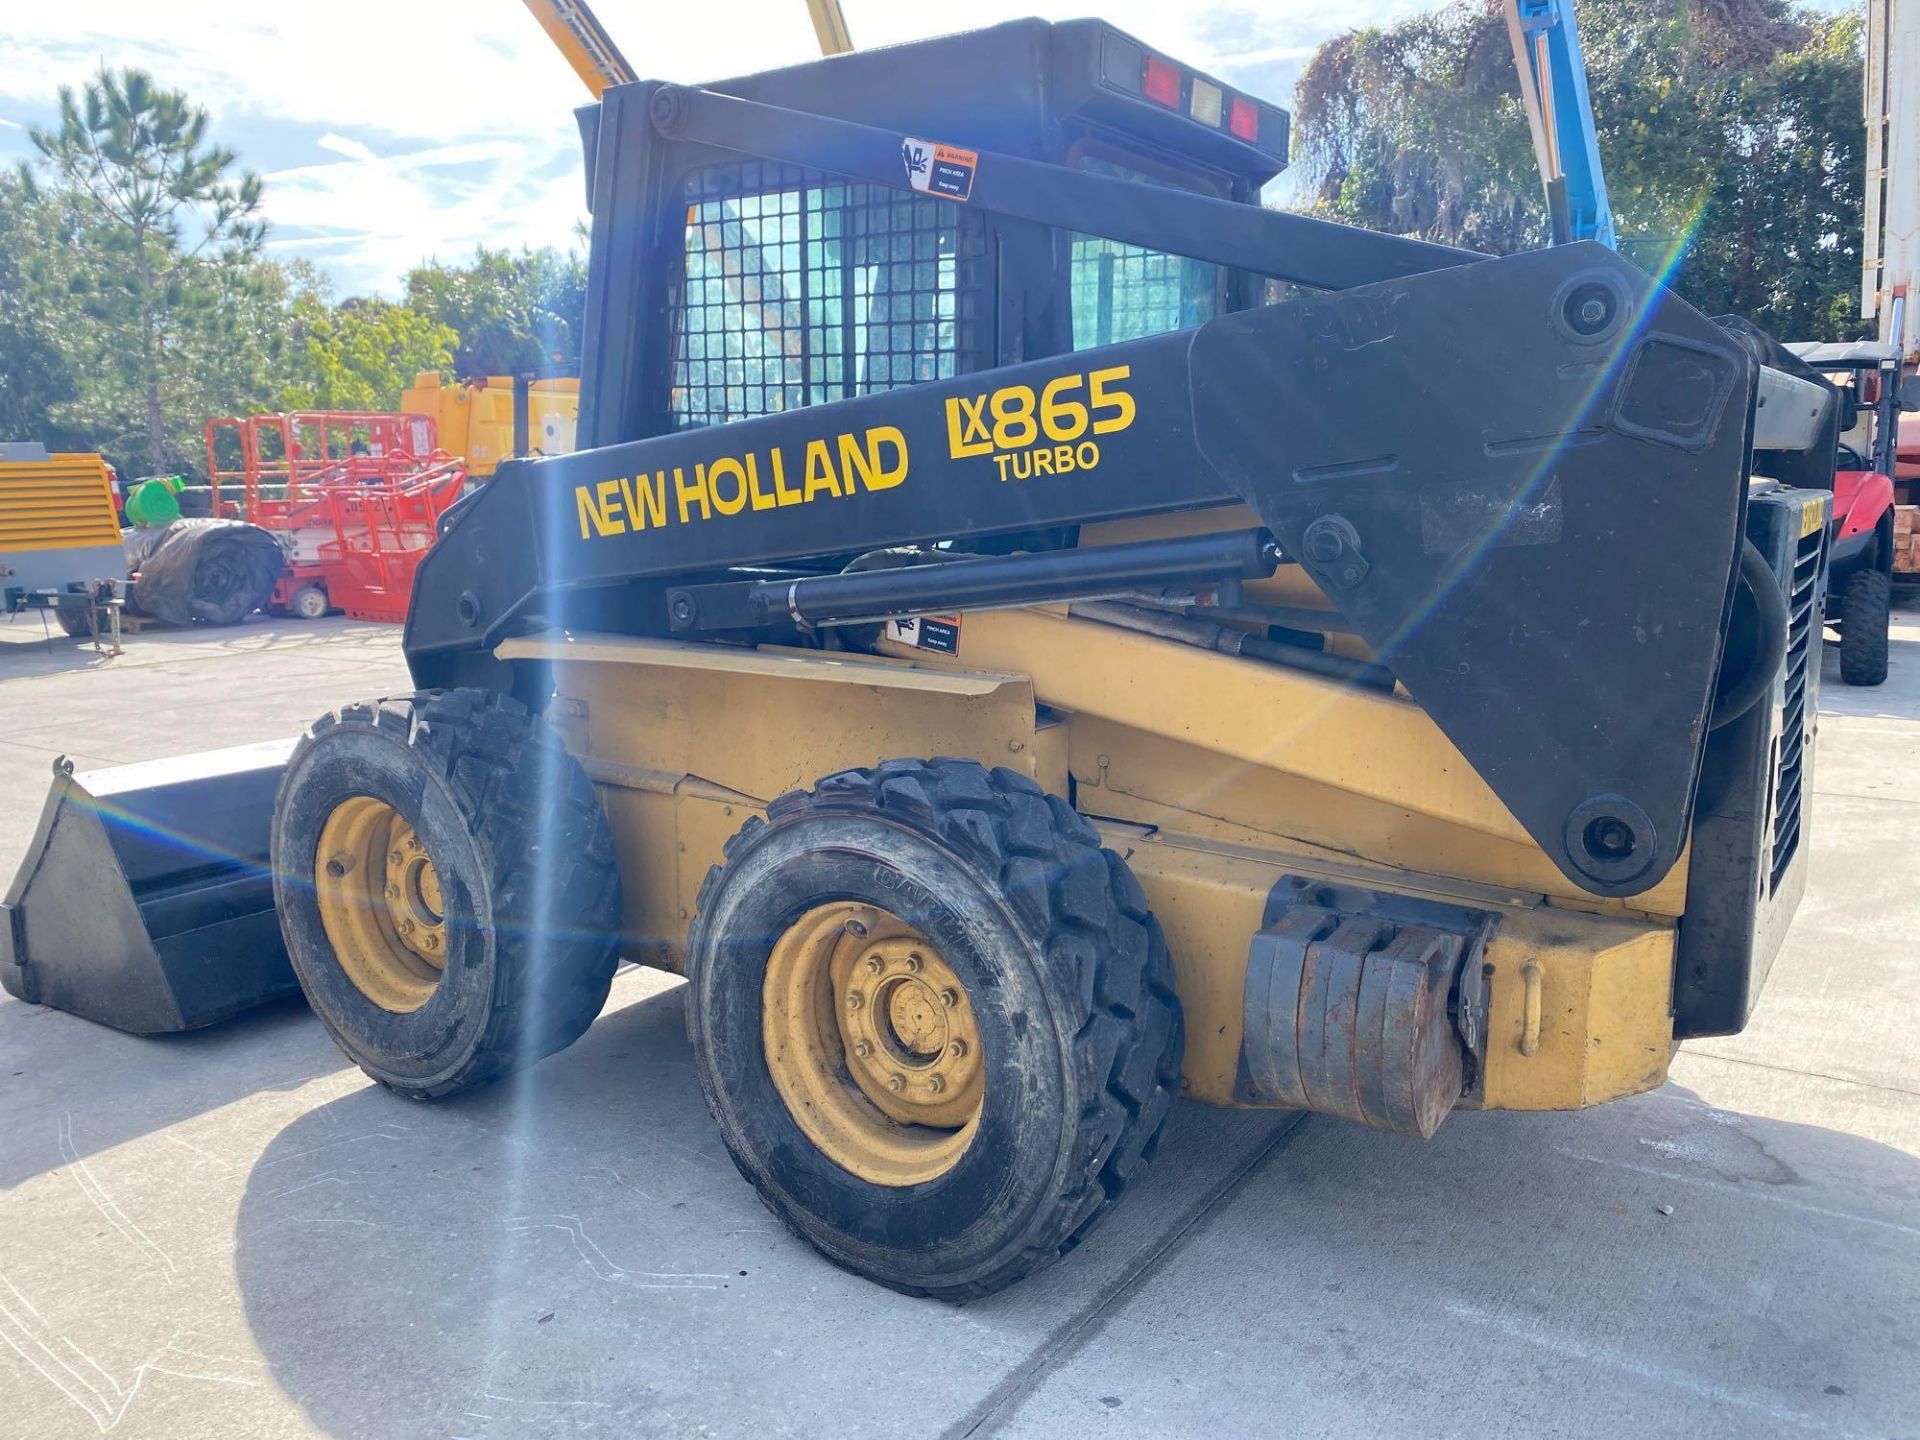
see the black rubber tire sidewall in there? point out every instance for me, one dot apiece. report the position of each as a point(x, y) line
point(1865, 615)
point(424, 1048)
point(965, 1223)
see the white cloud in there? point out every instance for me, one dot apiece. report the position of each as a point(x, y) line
point(466, 101)
point(342, 145)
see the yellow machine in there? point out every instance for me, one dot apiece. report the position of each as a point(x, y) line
point(1020, 677)
point(59, 536)
point(477, 419)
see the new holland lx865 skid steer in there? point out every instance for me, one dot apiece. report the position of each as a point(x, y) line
point(1021, 676)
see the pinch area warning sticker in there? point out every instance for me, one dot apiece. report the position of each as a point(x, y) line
point(939, 169)
point(939, 633)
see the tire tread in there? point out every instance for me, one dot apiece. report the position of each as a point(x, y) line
point(1088, 913)
point(491, 751)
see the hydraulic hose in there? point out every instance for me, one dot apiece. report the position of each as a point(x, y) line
point(1770, 616)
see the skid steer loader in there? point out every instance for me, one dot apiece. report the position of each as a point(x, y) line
point(1019, 675)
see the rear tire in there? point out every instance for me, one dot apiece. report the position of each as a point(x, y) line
point(309, 602)
point(1063, 977)
point(522, 896)
point(73, 619)
point(1865, 611)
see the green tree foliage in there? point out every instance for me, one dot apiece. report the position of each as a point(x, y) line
point(1730, 131)
point(513, 313)
point(360, 354)
point(34, 377)
point(136, 159)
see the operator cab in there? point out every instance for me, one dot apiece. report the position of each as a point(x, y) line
point(786, 286)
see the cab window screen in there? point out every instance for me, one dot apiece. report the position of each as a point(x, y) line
point(1124, 292)
point(800, 289)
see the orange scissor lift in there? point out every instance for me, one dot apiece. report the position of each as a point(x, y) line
point(355, 498)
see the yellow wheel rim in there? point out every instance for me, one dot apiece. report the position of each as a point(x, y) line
point(872, 1043)
point(380, 903)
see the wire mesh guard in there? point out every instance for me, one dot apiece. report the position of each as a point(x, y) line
point(800, 290)
point(1124, 292)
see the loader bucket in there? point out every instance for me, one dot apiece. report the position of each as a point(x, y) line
point(145, 901)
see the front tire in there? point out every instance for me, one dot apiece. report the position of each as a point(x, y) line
point(968, 906)
point(447, 888)
point(1866, 608)
point(309, 602)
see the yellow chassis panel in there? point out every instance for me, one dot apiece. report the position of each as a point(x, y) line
point(1214, 777)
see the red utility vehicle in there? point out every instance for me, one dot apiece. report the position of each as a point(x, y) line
point(1867, 524)
point(355, 498)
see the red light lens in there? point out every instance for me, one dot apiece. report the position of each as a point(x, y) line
point(1161, 81)
point(1244, 119)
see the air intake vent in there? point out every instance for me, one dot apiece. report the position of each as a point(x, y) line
point(59, 503)
point(1802, 599)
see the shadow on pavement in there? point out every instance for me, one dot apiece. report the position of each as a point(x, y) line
point(53, 1065)
point(575, 1254)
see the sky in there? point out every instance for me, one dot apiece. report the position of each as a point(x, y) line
point(391, 131)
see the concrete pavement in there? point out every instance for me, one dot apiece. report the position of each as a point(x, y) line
point(233, 1233)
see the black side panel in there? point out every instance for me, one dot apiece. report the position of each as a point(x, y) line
point(625, 288)
point(1748, 865)
point(1522, 481)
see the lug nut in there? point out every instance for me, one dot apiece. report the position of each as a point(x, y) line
point(863, 1049)
point(949, 998)
point(406, 927)
point(413, 842)
point(936, 1084)
point(958, 1049)
point(896, 1083)
point(855, 1000)
point(395, 857)
point(393, 892)
point(875, 964)
point(433, 940)
point(913, 963)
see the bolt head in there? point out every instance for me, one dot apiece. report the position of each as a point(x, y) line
point(949, 998)
point(875, 964)
point(936, 1084)
point(413, 842)
point(863, 1049)
point(958, 1049)
point(855, 1000)
point(433, 940)
point(395, 857)
point(896, 1083)
point(913, 964)
point(393, 892)
point(407, 927)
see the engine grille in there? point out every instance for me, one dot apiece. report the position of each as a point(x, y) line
point(1790, 769)
point(59, 503)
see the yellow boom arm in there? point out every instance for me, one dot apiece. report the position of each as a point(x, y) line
point(572, 27)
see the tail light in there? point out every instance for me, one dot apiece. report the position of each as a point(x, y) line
point(1161, 81)
point(1243, 119)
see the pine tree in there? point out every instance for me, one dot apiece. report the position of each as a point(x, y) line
point(138, 158)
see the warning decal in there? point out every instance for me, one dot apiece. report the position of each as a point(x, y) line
point(939, 169)
point(928, 632)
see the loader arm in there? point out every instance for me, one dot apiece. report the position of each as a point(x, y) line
point(1583, 411)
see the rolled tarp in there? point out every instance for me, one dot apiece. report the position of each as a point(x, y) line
point(211, 572)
